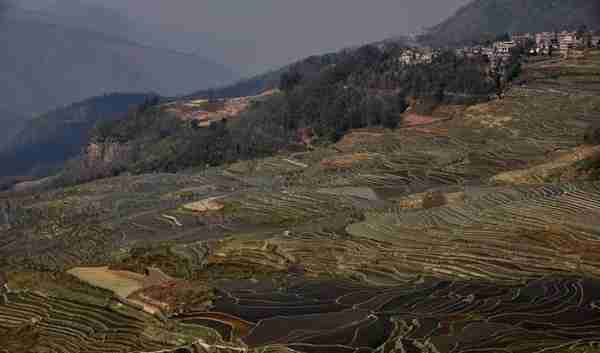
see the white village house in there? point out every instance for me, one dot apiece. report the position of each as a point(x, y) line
point(504, 48)
point(596, 40)
point(414, 56)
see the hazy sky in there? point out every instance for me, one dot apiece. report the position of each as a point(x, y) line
point(258, 34)
point(3, 7)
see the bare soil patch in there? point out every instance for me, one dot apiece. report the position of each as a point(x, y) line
point(202, 206)
point(413, 119)
point(122, 283)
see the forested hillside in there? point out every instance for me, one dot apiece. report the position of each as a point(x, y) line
point(352, 89)
point(487, 18)
point(49, 140)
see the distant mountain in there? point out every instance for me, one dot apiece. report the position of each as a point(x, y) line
point(482, 18)
point(51, 139)
point(79, 14)
point(45, 64)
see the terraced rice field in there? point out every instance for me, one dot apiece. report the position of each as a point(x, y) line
point(58, 325)
point(333, 316)
point(475, 233)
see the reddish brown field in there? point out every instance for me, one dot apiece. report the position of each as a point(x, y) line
point(412, 119)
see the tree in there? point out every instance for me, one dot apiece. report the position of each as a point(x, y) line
point(440, 93)
point(391, 115)
point(289, 80)
point(515, 71)
point(390, 119)
point(497, 76)
point(402, 102)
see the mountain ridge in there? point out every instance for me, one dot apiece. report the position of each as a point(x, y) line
point(484, 19)
point(81, 48)
point(47, 19)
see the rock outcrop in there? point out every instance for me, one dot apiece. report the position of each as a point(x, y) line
point(107, 152)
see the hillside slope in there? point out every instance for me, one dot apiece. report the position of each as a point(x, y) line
point(491, 17)
point(388, 241)
point(327, 95)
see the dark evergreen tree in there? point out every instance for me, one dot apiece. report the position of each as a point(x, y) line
point(289, 80)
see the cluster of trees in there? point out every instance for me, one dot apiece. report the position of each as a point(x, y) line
point(338, 100)
point(507, 70)
point(370, 86)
